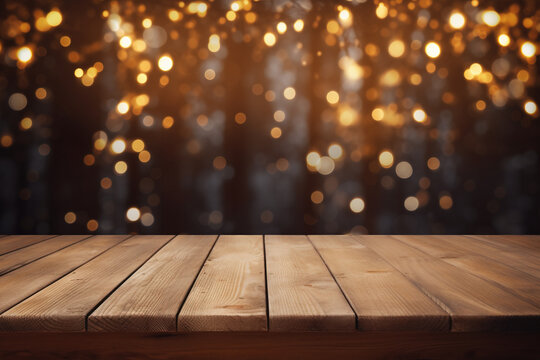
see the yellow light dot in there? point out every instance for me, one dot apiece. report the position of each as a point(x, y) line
point(142, 100)
point(404, 170)
point(332, 27)
point(137, 145)
point(139, 45)
point(144, 156)
point(528, 49)
point(209, 74)
point(281, 27)
point(92, 225)
point(174, 15)
point(446, 202)
point(386, 159)
point(65, 41)
point(476, 69)
point(504, 40)
point(491, 18)
point(70, 217)
point(54, 18)
point(214, 43)
point(146, 23)
point(347, 116)
point(289, 93)
point(279, 116)
point(432, 49)
point(298, 25)
point(125, 42)
point(411, 203)
point(167, 122)
point(24, 54)
point(433, 163)
point(26, 123)
point(118, 146)
point(396, 48)
point(317, 197)
point(165, 63)
point(145, 66)
point(419, 115)
point(313, 159)
point(457, 20)
point(335, 151)
point(230, 15)
point(120, 167)
point(480, 105)
point(133, 214)
point(381, 11)
point(78, 72)
point(122, 107)
point(377, 114)
point(530, 107)
point(345, 17)
point(332, 97)
point(357, 205)
point(269, 39)
point(275, 132)
point(142, 78)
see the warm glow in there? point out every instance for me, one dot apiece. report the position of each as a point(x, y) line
point(118, 146)
point(281, 27)
point(122, 107)
point(332, 97)
point(386, 159)
point(270, 39)
point(457, 20)
point(396, 48)
point(504, 40)
point(298, 25)
point(165, 63)
point(214, 43)
point(125, 42)
point(419, 115)
point(491, 18)
point(54, 18)
point(530, 107)
point(289, 93)
point(24, 54)
point(528, 49)
point(133, 214)
point(357, 205)
point(432, 50)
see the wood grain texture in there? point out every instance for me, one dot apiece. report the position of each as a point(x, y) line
point(18, 258)
point(529, 242)
point(229, 293)
point(474, 304)
point(64, 305)
point(33, 277)
point(270, 345)
point(508, 254)
point(302, 295)
point(382, 298)
point(525, 286)
point(13, 242)
point(150, 299)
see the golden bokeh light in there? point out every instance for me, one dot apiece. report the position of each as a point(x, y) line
point(386, 159)
point(165, 63)
point(457, 20)
point(24, 54)
point(357, 205)
point(432, 49)
point(491, 18)
point(396, 48)
point(133, 214)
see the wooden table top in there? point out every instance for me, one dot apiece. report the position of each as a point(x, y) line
point(189, 283)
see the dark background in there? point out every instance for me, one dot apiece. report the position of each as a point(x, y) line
point(489, 158)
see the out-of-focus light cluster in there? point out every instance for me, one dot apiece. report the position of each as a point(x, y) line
point(141, 39)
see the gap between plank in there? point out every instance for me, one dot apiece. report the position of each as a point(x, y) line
point(337, 283)
point(41, 257)
point(40, 241)
point(121, 282)
point(193, 282)
point(266, 285)
point(69, 272)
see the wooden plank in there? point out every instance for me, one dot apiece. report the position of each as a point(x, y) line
point(25, 281)
point(64, 305)
point(229, 293)
point(18, 258)
point(302, 295)
point(150, 299)
point(14, 242)
point(526, 286)
point(530, 242)
point(271, 345)
point(474, 304)
point(508, 254)
point(382, 298)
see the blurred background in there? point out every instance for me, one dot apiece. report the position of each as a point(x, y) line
point(280, 116)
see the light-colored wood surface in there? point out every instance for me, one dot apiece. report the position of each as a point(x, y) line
point(382, 298)
point(524, 285)
point(18, 258)
point(529, 242)
point(151, 298)
point(229, 294)
point(13, 242)
point(474, 304)
point(302, 295)
point(25, 281)
point(64, 305)
point(152, 284)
